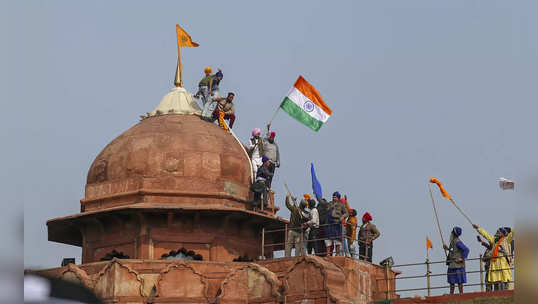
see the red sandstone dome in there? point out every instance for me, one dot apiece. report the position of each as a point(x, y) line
point(171, 181)
point(178, 159)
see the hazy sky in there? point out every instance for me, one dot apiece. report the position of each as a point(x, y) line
point(417, 88)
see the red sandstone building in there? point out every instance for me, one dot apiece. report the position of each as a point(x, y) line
point(173, 188)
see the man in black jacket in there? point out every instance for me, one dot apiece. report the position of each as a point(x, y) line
point(261, 185)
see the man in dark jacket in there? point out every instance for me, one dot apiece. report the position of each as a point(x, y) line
point(331, 215)
point(367, 234)
point(295, 229)
point(259, 187)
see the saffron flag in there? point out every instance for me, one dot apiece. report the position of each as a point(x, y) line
point(316, 186)
point(434, 180)
point(305, 104)
point(184, 39)
point(428, 243)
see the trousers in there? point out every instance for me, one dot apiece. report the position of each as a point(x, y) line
point(365, 251)
point(230, 117)
point(295, 239)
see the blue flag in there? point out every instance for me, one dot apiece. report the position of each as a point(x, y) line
point(316, 187)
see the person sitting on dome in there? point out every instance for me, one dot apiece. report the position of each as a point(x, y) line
point(226, 108)
point(259, 187)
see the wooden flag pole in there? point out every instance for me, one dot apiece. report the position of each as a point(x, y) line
point(288, 189)
point(437, 219)
point(180, 67)
point(457, 207)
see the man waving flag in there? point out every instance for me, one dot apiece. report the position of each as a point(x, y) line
point(305, 104)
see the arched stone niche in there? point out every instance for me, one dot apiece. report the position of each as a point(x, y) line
point(250, 283)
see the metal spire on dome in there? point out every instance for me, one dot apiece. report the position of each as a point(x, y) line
point(178, 100)
point(177, 79)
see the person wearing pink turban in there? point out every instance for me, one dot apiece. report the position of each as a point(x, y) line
point(367, 234)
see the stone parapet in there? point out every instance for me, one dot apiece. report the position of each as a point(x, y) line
point(306, 279)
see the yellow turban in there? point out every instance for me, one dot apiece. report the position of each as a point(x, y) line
point(208, 70)
point(306, 196)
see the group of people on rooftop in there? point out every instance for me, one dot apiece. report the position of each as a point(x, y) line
point(498, 259)
point(328, 228)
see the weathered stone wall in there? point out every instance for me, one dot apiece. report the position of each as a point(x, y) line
point(307, 279)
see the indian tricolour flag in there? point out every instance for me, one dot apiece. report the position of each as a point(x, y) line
point(305, 104)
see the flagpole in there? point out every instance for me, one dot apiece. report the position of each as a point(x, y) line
point(180, 68)
point(457, 207)
point(274, 115)
point(179, 65)
point(288, 189)
point(437, 219)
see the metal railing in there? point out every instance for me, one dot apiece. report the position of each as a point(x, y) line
point(388, 268)
point(484, 286)
point(306, 240)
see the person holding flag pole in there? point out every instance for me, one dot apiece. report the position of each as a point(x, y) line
point(295, 237)
point(457, 251)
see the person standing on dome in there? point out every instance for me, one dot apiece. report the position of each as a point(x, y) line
point(226, 108)
point(457, 253)
point(203, 93)
point(270, 150)
point(367, 234)
point(255, 150)
point(214, 84)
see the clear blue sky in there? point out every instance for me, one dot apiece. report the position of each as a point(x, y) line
point(418, 89)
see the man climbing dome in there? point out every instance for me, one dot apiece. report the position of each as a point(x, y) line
point(270, 150)
point(214, 93)
point(259, 187)
point(203, 93)
point(225, 110)
point(254, 150)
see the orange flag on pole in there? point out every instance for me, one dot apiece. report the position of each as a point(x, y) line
point(184, 39)
point(434, 180)
point(428, 243)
